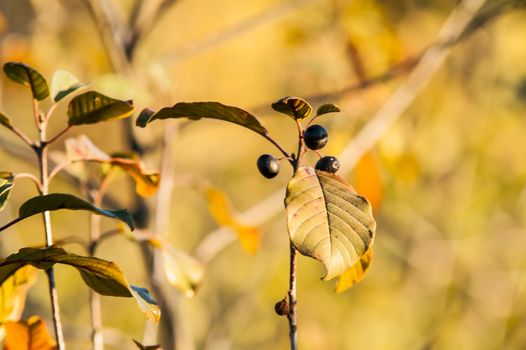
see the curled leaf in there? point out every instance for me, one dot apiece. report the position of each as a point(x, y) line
point(198, 110)
point(23, 74)
point(146, 347)
point(295, 107)
point(220, 209)
point(93, 107)
point(328, 220)
point(82, 149)
point(63, 83)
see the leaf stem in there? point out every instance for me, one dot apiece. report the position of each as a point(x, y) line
point(57, 136)
point(42, 155)
point(30, 177)
point(274, 142)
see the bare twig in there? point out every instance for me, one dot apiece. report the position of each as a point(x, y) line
point(20, 134)
point(372, 132)
point(273, 14)
point(30, 177)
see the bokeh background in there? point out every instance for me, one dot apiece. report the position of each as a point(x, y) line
point(446, 180)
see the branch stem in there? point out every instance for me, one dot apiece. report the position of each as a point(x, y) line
point(291, 316)
point(42, 155)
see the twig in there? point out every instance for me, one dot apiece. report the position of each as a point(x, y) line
point(368, 136)
point(273, 14)
point(57, 136)
point(30, 177)
point(21, 135)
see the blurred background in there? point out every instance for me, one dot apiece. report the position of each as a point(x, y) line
point(446, 179)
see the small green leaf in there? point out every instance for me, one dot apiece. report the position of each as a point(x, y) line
point(328, 220)
point(146, 303)
point(327, 108)
point(57, 201)
point(5, 120)
point(92, 107)
point(102, 276)
point(198, 110)
point(63, 83)
point(295, 107)
point(6, 184)
point(25, 75)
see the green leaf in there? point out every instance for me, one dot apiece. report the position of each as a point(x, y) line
point(328, 220)
point(25, 75)
point(198, 110)
point(4, 120)
point(6, 184)
point(92, 107)
point(57, 201)
point(102, 276)
point(295, 107)
point(13, 293)
point(63, 83)
point(327, 108)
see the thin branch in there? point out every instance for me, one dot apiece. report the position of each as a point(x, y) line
point(273, 14)
point(31, 177)
point(369, 135)
point(21, 135)
point(11, 223)
point(291, 316)
point(278, 146)
point(57, 136)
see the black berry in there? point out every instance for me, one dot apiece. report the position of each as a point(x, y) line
point(282, 307)
point(268, 166)
point(315, 136)
point(328, 163)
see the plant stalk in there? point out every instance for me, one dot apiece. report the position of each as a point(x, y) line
point(42, 155)
point(97, 338)
point(291, 316)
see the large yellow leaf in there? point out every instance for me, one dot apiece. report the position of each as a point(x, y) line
point(28, 335)
point(328, 220)
point(356, 273)
point(221, 211)
point(13, 292)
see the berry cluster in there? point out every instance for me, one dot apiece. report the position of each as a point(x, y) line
point(315, 137)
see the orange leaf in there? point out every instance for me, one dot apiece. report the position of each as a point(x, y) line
point(28, 335)
point(367, 181)
point(356, 273)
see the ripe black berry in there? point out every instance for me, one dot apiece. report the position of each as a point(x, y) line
point(268, 166)
point(315, 136)
point(328, 163)
point(282, 307)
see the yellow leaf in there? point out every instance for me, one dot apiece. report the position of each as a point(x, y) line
point(28, 335)
point(367, 181)
point(356, 273)
point(13, 293)
point(183, 271)
point(221, 211)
